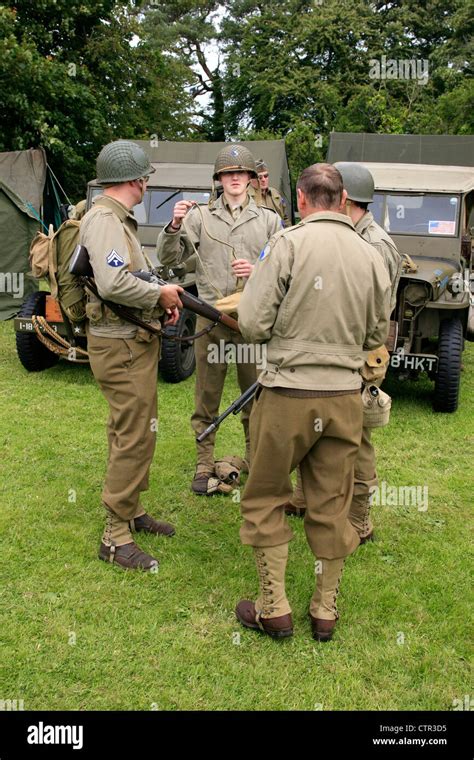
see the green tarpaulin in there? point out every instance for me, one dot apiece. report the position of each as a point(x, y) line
point(445, 150)
point(18, 226)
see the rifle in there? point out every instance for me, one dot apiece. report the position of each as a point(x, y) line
point(81, 267)
point(234, 408)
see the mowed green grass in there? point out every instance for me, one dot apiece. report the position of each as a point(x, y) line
point(78, 634)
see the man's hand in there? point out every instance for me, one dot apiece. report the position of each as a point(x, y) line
point(174, 317)
point(242, 268)
point(170, 302)
point(179, 212)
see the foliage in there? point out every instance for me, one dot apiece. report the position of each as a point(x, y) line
point(72, 80)
point(78, 73)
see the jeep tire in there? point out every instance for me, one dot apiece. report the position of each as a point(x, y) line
point(450, 345)
point(33, 354)
point(177, 359)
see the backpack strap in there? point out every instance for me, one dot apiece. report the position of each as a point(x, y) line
point(53, 256)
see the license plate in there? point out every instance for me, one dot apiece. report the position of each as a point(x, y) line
point(417, 362)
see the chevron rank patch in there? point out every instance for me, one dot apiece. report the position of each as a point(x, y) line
point(265, 252)
point(114, 259)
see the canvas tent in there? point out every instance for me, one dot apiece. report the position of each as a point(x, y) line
point(22, 182)
point(24, 171)
point(18, 226)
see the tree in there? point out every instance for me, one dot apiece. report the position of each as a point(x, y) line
point(186, 31)
point(306, 68)
point(76, 75)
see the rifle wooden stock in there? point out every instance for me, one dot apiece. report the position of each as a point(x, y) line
point(194, 303)
point(204, 309)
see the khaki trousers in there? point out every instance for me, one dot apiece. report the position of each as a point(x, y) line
point(210, 378)
point(365, 478)
point(283, 434)
point(126, 371)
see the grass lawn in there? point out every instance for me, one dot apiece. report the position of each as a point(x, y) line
point(78, 634)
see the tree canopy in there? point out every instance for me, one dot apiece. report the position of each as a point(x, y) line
point(79, 73)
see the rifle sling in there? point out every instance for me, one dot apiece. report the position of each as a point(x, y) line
point(128, 316)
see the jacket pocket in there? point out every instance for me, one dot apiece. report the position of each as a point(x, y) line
point(94, 312)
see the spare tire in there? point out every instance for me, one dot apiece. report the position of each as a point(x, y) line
point(33, 354)
point(177, 359)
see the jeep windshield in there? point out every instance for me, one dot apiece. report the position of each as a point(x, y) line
point(156, 207)
point(417, 213)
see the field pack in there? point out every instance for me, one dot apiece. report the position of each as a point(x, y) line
point(50, 257)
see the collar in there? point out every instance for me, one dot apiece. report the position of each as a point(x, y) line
point(328, 216)
point(231, 209)
point(220, 209)
point(117, 207)
point(364, 222)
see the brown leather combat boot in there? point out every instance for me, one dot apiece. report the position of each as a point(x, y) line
point(271, 612)
point(128, 556)
point(206, 484)
point(322, 630)
point(147, 524)
point(278, 628)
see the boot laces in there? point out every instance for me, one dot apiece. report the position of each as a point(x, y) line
point(265, 583)
point(108, 529)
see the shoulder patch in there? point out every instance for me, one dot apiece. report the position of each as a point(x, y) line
point(264, 253)
point(114, 259)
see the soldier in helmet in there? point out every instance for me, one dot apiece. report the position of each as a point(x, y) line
point(227, 238)
point(359, 185)
point(267, 196)
point(124, 358)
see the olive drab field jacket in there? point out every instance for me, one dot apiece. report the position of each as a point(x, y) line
point(271, 198)
point(319, 297)
point(109, 232)
point(248, 234)
point(369, 230)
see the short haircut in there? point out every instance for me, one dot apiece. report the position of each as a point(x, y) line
point(322, 185)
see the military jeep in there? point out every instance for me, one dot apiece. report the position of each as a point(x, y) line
point(428, 212)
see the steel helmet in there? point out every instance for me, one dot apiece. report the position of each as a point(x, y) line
point(234, 157)
point(357, 180)
point(122, 161)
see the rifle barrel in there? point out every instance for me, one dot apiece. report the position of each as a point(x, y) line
point(234, 408)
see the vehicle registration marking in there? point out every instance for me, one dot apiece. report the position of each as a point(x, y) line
point(418, 362)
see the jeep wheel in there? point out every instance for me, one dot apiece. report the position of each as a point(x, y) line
point(177, 359)
point(446, 393)
point(34, 356)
